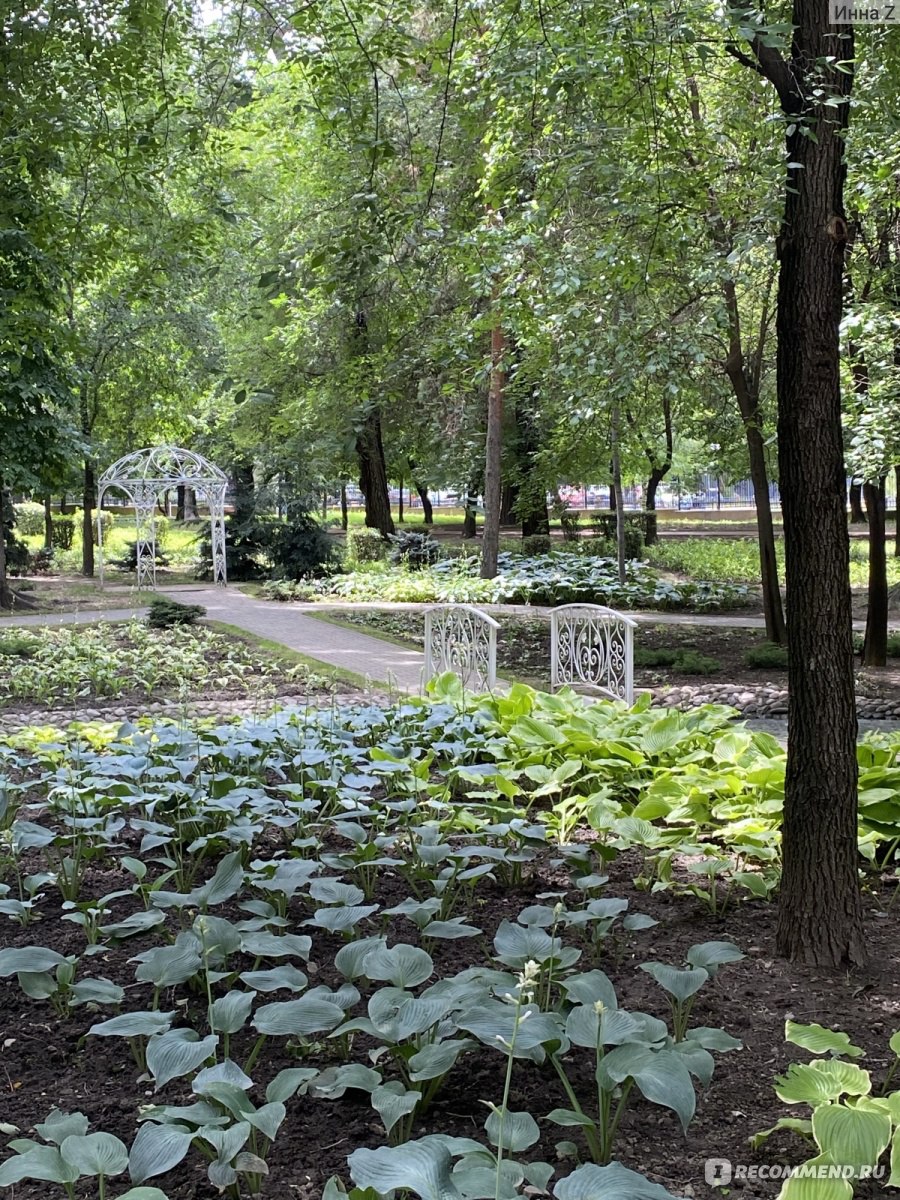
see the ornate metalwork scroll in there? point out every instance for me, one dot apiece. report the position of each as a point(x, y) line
point(461, 639)
point(592, 647)
point(146, 475)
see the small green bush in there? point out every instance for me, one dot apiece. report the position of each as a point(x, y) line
point(536, 543)
point(654, 658)
point(893, 645)
point(63, 532)
point(367, 545)
point(29, 518)
point(681, 662)
point(19, 645)
point(604, 525)
point(767, 656)
point(414, 550)
point(301, 548)
point(128, 561)
point(164, 613)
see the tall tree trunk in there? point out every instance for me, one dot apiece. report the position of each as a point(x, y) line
point(179, 502)
point(857, 513)
point(616, 490)
point(897, 512)
point(531, 502)
point(470, 527)
point(48, 521)
point(400, 503)
point(373, 481)
point(6, 596)
point(658, 469)
point(422, 493)
point(820, 912)
point(875, 644)
point(87, 522)
point(344, 518)
point(493, 445)
point(509, 500)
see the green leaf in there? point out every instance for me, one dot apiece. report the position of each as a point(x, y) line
point(854, 1137)
point(276, 979)
point(229, 1013)
point(294, 1018)
point(225, 883)
point(660, 1075)
point(512, 1131)
point(393, 1102)
point(133, 1024)
point(143, 1193)
point(40, 1162)
point(821, 1081)
point(95, 1153)
point(682, 984)
point(567, 1117)
point(157, 1149)
point(712, 955)
point(177, 1052)
point(614, 1182)
point(288, 1082)
point(422, 1167)
point(819, 1040)
point(57, 1126)
point(31, 959)
point(811, 1187)
point(794, 1124)
point(403, 966)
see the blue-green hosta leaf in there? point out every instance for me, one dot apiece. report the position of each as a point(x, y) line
point(229, 1141)
point(296, 1018)
point(713, 1039)
point(229, 1013)
point(97, 991)
point(351, 958)
point(30, 959)
point(476, 1177)
point(276, 979)
point(614, 1182)
point(143, 1193)
point(288, 1082)
point(698, 1061)
point(585, 1027)
point(393, 1102)
point(807, 1185)
point(854, 1137)
point(167, 966)
point(267, 1118)
point(262, 944)
point(422, 1167)
point(95, 1153)
point(177, 1052)
point(819, 1040)
point(451, 930)
point(57, 1126)
point(568, 1117)
point(333, 891)
point(634, 922)
point(518, 944)
point(341, 918)
point(225, 883)
point(403, 966)
point(660, 1075)
point(512, 1131)
point(139, 922)
point(39, 985)
point(134, 1024)
point(223, 1072)
point(711, 955)
point(493, 1023)
point(437, 1058)
point(157, 1149)
point(218, 938)
point(820, 1081)
point(680, 984)
point(334, 1081)
point(39, 1162)
point(590, 987)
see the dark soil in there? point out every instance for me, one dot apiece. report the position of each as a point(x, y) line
point(47, 1062)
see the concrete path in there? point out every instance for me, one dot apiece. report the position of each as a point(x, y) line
point(87, 617)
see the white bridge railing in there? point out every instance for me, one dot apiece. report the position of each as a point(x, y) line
point(461, 639)
point(592, 647)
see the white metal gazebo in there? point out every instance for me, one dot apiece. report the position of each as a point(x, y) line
point(143, 477)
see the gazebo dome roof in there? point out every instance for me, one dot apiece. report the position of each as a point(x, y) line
point(165, 466)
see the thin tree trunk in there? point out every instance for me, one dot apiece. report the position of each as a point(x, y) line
point(6, 596)
point(400, 504)
point(820, 911)
point(857, 513)
point(344, 519)
point(875, 644)
point(422, 493)
point(492, 455)
point(48, 521)
point(616, 490)
point(179, 502)
point(87, 521)
point(470, 527)
point(897, 512)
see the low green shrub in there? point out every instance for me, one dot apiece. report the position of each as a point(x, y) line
point(681, 661)
point(604, 525)
point(63, 532)
point(301, 548)
point(414, 550)
point(654, 658)
point(367, 545)
point(164, 613)
point(29, 518)
point(536, 543)
point(128, 561)
point(19, 645)
point(767, 656)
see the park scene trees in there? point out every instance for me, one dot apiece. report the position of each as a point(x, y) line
point(448, 306)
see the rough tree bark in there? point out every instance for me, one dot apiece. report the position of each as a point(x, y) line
point(897, 512)
point(373, 482)
point(88, 500)
point(6, 596)
point(344, 518)
point(493, 446)
point(659, 468)
point(616, 490)
point(820, 913)
point(875, 643)
point(48, 522)
point(422, 493)
point(857, 512)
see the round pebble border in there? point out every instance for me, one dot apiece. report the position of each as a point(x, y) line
point(761, 701)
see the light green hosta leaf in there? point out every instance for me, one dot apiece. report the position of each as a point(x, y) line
point(134, 1024)
point(177, 1052)
point(57, 1126)
point(660, 1075)
point(294, 1018)
point(811, 1187)
point(436, 1059)
point(31, 959)
point(682, 984)
point(590, 987)
point(223, 1072)
point(820, 1081)
point(614, 1182)
point(95, 1153)
point(794, 1124)
point(393, 1102)
point(229, 1013)
point(157, 1149)
point(276, 979)
point(819, 1040)
point(403, 966)
point(422, 1167)
point(334, 1081)
point(854, 1137)
point(894, 1043)
point(512, 1131)
point(712, 955)
point(39, 1162)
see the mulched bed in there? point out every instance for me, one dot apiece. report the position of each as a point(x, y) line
point(45, 1061)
